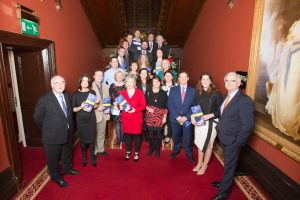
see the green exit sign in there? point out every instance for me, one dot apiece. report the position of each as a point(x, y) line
point(29, 27)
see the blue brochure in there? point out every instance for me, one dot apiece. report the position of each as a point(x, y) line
point(197, 113)
point(122, 102)
point(106, 105)
point(90, 102)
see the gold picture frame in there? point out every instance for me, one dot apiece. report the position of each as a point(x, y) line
point(264, 127)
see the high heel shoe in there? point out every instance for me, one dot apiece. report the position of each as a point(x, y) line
point(127, 156)
point(197, 168)
point(202, 170)
point(136, 157)
point(84, 163)
point(167, 140)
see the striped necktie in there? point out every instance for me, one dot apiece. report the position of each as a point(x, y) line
point(64, 107)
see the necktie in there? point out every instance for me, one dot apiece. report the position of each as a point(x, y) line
point(122, 62)
point(159, 46)
point(100, 91)
point(150, 44)
point(226, 102)
point(64, 107)
point(182, 94)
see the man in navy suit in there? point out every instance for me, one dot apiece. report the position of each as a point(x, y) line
point(235, 126)
point(54, 116)
point(180, 101)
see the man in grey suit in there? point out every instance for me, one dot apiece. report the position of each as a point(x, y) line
point(53, 115)
point(235, 126)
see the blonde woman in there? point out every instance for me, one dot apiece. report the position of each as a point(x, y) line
point(132, 120)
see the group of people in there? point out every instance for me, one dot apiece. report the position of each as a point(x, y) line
point(153, 99)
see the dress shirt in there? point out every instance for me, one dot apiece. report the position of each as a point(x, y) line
point(109, 75)
point(58, 97)
point(231, 95)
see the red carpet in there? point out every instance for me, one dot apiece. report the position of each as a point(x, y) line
point(150, 178)
point(32, 161)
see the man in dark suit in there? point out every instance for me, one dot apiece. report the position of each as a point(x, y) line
point(235, 126)
point(151, 44)
point(123, 62)
point(53, 115)
point(143, 51)
point(180, 101)
point(162, 46)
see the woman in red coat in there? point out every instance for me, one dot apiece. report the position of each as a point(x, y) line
point(132, 120)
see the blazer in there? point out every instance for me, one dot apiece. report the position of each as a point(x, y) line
point(132, 122)
point(165, 50)
point(237, 120)
point(175, 105)
point(139, 53)
point(105, 91)
point(153, 47)
point(50, 118)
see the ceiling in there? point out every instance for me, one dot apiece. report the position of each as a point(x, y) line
point(113, 19)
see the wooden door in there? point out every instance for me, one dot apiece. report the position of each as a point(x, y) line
point(32, 70)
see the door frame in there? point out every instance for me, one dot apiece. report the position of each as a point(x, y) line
point(20, 42)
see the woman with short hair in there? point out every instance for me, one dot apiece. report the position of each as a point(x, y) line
point(132, 120)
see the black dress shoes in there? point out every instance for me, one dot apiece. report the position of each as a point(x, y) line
point(218, 197)
point(173, 155)
point(191, 158)
point(72, 172)
point(61, 183)
point(103, 153)
point(215, 184)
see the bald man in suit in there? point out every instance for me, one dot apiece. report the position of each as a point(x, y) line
point(54, 116)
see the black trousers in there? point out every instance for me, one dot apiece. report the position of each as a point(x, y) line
point(155, 138)
point(56, 153)
point(133, 137)
point(231, 158)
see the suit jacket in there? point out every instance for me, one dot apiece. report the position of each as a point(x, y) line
point(139, 53)
point(153, 47)
point(165, 50)
point(50, 118)
point(175, 105)
point(237, 120)
point(105, 91)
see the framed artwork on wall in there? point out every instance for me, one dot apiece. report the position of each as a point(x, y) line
point(274, 73)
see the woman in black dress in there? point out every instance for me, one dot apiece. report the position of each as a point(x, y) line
point(86, 121)
point(156, 115)
point(210, 101)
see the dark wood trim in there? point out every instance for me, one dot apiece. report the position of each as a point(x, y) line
point(275, 182)
point(94, 21)
point(7, 123)
point(165, 8)
point(18, 42)
point(191, 20)
point(8, 184)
